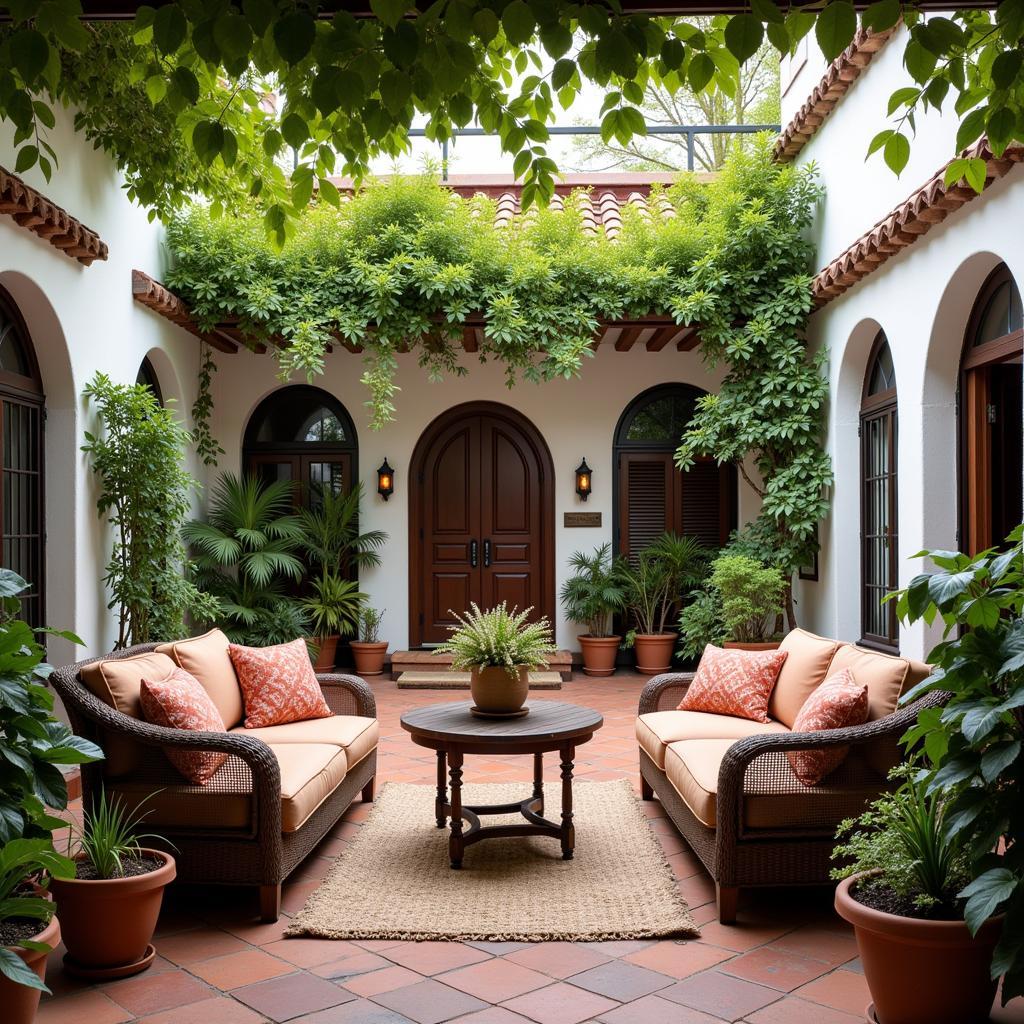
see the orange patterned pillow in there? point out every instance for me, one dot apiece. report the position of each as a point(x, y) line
point(179, 701)
point(839, 702)
point(732, 682)
point(278, 684)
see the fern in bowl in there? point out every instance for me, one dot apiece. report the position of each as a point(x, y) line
point(498, 648)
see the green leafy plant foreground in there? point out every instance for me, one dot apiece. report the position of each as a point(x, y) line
point(180, 96)
point(498, 638)
point(594, 591)
point(109, 835)
point(658, 579)
point(973, 744)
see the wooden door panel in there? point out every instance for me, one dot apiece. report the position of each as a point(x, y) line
point(516, 589)
point(454, 483)
point(448, 552)
point(450, 591)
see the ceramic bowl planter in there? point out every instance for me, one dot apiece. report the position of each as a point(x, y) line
point(19, 1002)
point(327, 653)
point(920, 970)
point(108, 922)
point(499, 692)
point(369, 657)
point(654, 652)
point(599, 654)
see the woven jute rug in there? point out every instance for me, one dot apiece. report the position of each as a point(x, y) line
point(393, 881)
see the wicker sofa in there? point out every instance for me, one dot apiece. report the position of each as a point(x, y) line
point(727, 784)
point(277, 795)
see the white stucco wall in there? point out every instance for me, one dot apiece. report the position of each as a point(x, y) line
point(83, 319)
point(576, 418)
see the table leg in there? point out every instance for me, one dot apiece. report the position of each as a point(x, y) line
point(455, 845)
point(441, 800)
point(568, 754)
point(538, 781)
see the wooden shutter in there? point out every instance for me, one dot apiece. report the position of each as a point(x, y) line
point(704, 503)
point(646, 498)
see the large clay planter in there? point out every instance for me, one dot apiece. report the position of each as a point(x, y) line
point(18, 1001)
point(498, 692)
point(599, 654)
point(108, 923)
point(369, 658)
point(654, 652)
point(922, 971)
point(327, 653)
point(735, 645)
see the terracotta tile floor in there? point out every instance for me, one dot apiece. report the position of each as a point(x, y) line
point(789, 959)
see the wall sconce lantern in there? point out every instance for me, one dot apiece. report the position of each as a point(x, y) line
point(584, 480)
point(385, 480)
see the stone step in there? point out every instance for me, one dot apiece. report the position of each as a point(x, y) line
point(428, 661)
point(438, 680)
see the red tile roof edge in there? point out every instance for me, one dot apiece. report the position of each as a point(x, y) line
point(926, 206)
point(834, 84)
point(149, 292)
point(34, 212)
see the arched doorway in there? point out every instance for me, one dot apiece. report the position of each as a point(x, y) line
point(879, 573)
point(305, 435)
point(652, 495)
point(21, 475)
point(992, 415)
point(481, 518)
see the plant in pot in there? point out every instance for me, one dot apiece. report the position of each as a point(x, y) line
point(110, 904)
point(369, 650)
point(906, 869)
point(655, 584)
point(334, 546)
point(498, 648)
point(591, 596)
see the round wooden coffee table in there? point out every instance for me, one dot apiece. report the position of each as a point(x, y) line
point(453, 732)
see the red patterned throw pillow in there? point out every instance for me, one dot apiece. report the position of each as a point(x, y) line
point(733, 682)
point(278, 684)
point(838, 703)
point(178, 701)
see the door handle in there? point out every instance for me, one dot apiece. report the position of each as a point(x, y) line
point(487, 553)
point(472, 554)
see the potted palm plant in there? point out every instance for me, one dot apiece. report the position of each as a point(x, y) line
point(591, 596)
point(110, 904)
point(369, 650)
point(498, 648)
point(655, 584)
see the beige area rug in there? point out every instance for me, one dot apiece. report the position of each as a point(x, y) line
point(393, 881)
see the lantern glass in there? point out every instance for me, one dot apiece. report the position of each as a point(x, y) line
point(385, 480)
point(584, 480)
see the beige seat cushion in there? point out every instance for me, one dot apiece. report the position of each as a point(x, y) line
point(117, 682)
point(692, 769)
point(206, 657)
point(656, 729)
point(310, 772)
point(356, 735)
point(804, 670)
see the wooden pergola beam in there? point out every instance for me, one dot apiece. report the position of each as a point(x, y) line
point(628, 337)
point(688, 340)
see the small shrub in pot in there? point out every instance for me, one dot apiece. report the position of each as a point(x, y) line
point(591, 596)
point(369, 650)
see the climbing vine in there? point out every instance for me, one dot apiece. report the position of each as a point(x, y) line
point(207, 447)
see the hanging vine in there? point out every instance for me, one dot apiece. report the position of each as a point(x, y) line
point(206, 445)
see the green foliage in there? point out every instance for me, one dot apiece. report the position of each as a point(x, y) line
point(700, 624)
point(207, 447)
point(330, 532)
point(750, 596)
point(333, 607)
point(369, 625)
point(903, 836)
point(137, 455)
point(656, 582)
point(246, 555)
point(499, 638)
point(110, 835)
point(594, 591)
point(973, 744)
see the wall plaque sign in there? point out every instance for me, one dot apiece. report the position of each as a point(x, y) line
point(582, 519)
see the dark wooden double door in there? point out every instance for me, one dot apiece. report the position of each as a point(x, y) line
point(482, 519)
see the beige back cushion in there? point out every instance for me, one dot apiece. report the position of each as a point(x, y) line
point(805, 668)
point(206, 657)
point(117, 683)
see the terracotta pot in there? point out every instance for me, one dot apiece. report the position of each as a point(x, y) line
point(327, 653)
point(18, 1001)
point(498, 691)
point(108, 923)
point(654, 652)
point(922, 970)
point(599, 654)
point(735, 645)
point(369, 658)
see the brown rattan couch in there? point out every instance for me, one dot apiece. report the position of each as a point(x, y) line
point(210, 846)
point(746, 816)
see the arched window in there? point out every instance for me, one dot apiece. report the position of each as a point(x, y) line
point(147, 376)
point(991, 415)
point(652, 495)
point(302, 434)
point(878, 526)
point(21, 476)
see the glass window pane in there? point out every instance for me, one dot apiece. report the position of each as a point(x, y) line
point(662, 419)
point(1002, 315)
point(883, 374)
point(13, 358)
